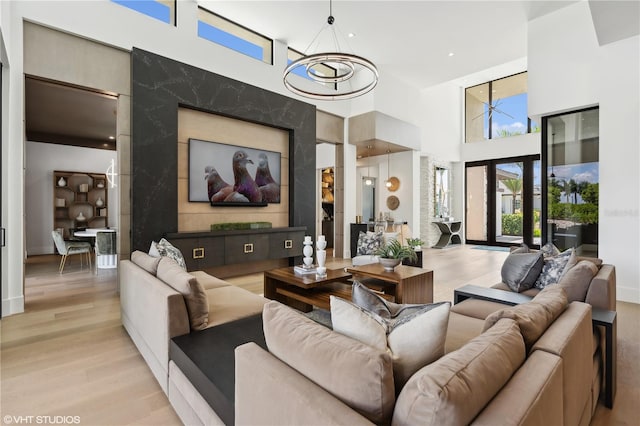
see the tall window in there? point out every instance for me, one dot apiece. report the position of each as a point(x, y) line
point(222, 31)
point(570, 152)
point(498, 109)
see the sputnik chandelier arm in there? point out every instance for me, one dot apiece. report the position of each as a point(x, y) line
point(339, 83)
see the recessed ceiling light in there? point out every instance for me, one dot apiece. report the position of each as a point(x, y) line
point(105, 145)
point(351, 35)
point(112, 137)
point(451, 54)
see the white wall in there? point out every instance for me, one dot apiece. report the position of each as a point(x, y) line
point(41, 160)
point(441, 108)
point(568, 70)
point(325, 155)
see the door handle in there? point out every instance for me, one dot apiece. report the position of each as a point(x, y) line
point(2, 237)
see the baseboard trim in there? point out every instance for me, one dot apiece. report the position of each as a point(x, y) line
point(628, 294)
point(12, 306)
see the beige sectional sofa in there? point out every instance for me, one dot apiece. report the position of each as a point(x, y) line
point(160, 301)
point(535, 363)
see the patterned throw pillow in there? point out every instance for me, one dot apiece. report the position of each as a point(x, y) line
point(413, 334)
point(369, 242)
point(165, 248)
point(554, 268)
point(549, 249)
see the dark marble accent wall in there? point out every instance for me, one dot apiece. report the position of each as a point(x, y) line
point(160, 85)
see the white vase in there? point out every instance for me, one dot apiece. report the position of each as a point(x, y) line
point(99, 202)
point(321, 256)
point(62, 182)
point(80, 217)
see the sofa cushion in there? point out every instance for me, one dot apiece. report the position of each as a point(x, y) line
point(230, 303)
point(165, 248)
point(520, 270)
point(146, 262)
point(533, 317)
point(414, 334)
point(194, 295)
point(553, 268)
point(357, 374)
point(577, 279)
point(209, 281)
point(455, 388)
point(369, 242)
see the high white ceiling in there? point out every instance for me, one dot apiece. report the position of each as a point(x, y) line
point(411, 40)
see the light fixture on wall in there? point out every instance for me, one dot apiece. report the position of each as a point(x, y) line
point(345, 67)
point(368, 181)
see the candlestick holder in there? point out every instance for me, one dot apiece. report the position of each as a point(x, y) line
point(308, 252)
point(321, 256)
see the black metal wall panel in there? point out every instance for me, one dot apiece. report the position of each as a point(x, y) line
point(160, 86)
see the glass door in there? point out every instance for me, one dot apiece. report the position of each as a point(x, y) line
point(509, 212)
point(477, 203)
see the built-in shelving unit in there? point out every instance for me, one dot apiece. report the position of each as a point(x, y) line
point(79, 201)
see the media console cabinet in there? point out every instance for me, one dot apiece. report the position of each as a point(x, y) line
point(203, 250)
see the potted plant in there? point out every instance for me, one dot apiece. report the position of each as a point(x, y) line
point(415, 243)
point(391, 254)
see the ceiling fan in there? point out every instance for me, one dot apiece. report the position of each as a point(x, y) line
point(492, 108)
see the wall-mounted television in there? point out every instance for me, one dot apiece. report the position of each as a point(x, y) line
point(233, 175)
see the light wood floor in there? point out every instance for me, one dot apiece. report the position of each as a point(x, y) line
point(69, 355)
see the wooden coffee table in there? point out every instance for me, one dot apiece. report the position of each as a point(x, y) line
point(406, 284)
point(303, 292)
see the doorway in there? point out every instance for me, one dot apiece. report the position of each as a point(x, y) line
point(503, 201)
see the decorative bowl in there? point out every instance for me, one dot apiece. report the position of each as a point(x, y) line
point(389, 264)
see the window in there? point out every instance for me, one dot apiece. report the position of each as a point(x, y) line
point(323, 70)
point(498, 109)
point(219, 30)
point(571, 159)
point(162, 10)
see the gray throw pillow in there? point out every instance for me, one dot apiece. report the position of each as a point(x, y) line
point(553, 269)
point(520, 270)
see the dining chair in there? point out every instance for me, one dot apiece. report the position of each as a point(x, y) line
point(68, 248)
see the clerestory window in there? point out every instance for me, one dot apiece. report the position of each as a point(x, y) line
point(498, 109)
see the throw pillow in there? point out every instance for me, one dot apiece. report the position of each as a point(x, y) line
point(520, 270)
point(413, 334)
point(153, 249)
point(549, 249)
point(355, 373)
point(165, 248)
point(146, 262)
point(186, 284)
point(522, 248)
point(576, 280)
point(533, 317)
point(369, 242)
point(553, 268)
point(455, 388)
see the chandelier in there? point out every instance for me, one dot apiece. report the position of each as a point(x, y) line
point(344, 68)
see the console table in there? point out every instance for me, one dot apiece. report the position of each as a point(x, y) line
point(599, 317)
point(203, 250)
point(450, 233)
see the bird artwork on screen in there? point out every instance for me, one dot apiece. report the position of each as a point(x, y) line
point(232, 175)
